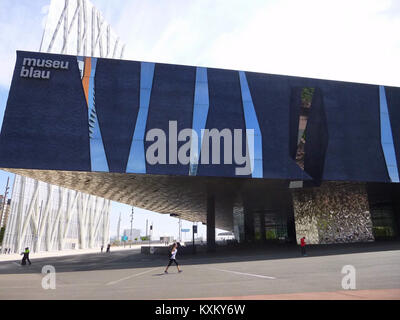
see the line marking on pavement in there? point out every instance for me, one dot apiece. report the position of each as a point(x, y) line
point(129, 277)
point(245, 274)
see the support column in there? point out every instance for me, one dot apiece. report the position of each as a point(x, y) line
point(290, 223)
point(262, 226)
point(248, 225)
point(396, 208)
point(210, 223)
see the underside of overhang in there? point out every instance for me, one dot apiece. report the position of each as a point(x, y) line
point(184, 196)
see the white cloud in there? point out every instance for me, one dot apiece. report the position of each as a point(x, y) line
point(353, 40)
point(342, 39)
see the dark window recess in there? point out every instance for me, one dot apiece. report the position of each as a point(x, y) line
point(275, 226)
point(306, 101)
point(384, 207)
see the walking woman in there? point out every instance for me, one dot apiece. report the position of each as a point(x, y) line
point(172, 258)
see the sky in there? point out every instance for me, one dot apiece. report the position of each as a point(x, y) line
point(348, 40)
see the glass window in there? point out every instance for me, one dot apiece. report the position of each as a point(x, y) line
point(387, 137)
point(98, 158)
point(200, 113)
point(251, 121)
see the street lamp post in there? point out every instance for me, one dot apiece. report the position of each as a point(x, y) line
point(130, 245)
point(180, 230)
point(150, 232)
point(194, 230)
point(3, 205)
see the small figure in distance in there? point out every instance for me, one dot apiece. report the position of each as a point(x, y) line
point(108, 248)
point(25, 257)
point(172, 257)
point(303, 246)
point(102, 248)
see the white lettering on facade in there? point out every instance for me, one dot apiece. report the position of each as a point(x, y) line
point(30, 65)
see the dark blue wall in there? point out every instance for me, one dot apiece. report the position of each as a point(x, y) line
point(225, 111)
point(171, 100)
point(117, 104)
point(271, 96)
point(46, 124)
point(354, 149)
point(393, 102)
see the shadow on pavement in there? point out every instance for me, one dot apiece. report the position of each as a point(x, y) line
point(133, 259)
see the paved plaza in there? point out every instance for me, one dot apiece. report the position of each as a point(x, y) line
point(254, 273)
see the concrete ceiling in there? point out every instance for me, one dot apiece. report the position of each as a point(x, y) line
point(185, 196)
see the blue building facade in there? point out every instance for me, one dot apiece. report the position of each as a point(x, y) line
point(93, 115)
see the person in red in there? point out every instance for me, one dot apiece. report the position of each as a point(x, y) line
point(303, 246)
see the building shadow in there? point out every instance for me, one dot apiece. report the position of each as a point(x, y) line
point(134, 259)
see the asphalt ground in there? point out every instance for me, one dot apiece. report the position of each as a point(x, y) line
point(273, 272)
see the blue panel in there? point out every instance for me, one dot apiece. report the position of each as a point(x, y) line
point(117, 104)
point(145, 97)
point(137, 161)
point(200, 112)
point(354, 151)
point(97, 154)
point(250, 118)
point(141, 124)
point(171, 103)
point(393, 104)
point(387, 137)
point(225, 112)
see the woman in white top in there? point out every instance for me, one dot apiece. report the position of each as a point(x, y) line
point(172, 258)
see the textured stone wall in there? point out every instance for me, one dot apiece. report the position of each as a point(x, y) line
point(332, 213)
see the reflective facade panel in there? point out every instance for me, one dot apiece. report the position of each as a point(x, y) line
point(250, 117)
point(200, 112)
point(79, 28)
point(98, 158)
point(137, 156)
point(387, 137)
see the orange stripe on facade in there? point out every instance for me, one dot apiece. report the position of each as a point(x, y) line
point(86, 78)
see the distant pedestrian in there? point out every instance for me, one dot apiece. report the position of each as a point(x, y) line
point(102, 247)
point(172, 257)
point(303, 246)
point(25, 257)
point(108, 248)
point(9, 250)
